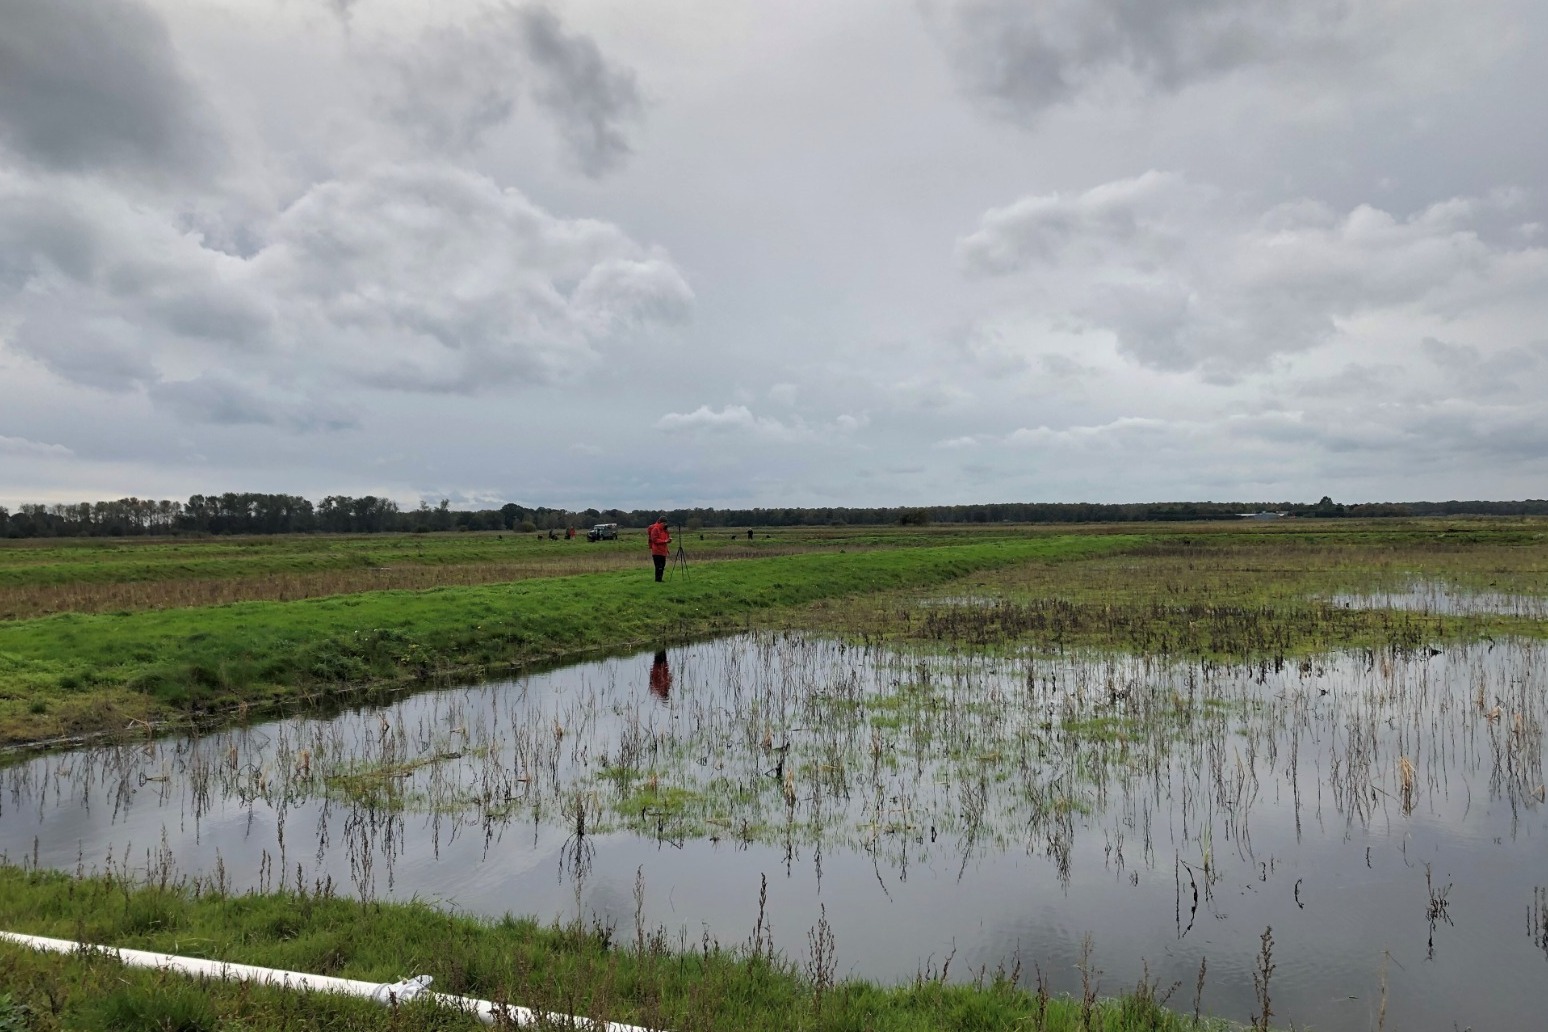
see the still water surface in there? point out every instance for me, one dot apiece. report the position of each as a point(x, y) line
point(1378, 811)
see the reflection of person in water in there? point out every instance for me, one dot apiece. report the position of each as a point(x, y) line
point(661, 677)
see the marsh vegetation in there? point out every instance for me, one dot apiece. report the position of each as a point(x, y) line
point(1082, 771)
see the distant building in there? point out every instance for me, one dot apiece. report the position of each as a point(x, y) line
point(1262, 515)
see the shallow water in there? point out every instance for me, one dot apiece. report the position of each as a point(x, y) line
point(1442, 599)
point(934, 811)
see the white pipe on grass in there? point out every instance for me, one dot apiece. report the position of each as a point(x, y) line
point(386, 993)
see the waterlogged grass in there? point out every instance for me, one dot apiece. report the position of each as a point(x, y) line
point(635, 975)
point(1236, 593)
point(79, 673)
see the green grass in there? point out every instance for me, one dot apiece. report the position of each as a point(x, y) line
point(97, 560)
point(1233, 591)
point(596, 971)
point(95, 672)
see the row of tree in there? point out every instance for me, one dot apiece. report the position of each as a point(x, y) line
point(255, 513)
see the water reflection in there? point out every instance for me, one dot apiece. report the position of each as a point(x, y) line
point(1442, 599)
point(661, 677)
point(995, 811)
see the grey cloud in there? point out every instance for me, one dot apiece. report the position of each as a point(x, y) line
point(213, 399)
point(1354, 380)
point(1489, 432)
point(1397, 432)
point(458, 82)
point(1028, 56)
point(105, 353)
point(218, 399)
point(95, 285)
point(1062, 367)
point(588, 96)
point(1508, 373)
point(94, 84)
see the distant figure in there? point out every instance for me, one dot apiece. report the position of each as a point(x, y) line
point(660, 544)
point(749, 533)
point(569, 533)
point(552, 536)
point(661, 677)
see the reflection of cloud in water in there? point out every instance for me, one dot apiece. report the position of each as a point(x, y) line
point(999, 808)
point(1442, 599)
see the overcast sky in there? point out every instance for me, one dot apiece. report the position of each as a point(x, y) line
point(871, 252)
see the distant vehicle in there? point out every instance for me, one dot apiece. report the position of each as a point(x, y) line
point(603, 532)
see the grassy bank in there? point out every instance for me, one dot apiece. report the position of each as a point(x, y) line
point(78, 673)
point(631, 975)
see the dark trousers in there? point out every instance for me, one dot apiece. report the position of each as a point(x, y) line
point(660, 561)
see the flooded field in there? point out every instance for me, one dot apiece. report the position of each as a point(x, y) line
point(1439, 597)
point(1072, 817)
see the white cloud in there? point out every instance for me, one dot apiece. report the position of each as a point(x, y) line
point(1186, 280)
point(418, 278)
point(739, 420)
point(24, 447)
point(433, 278)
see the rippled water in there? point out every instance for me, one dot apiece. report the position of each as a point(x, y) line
point(1378, 811)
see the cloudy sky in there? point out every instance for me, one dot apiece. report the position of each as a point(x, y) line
point(717, 252)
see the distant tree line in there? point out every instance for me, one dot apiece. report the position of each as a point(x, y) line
point(255, 513)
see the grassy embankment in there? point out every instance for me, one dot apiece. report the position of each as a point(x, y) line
point(628, 975)
point(77, 673)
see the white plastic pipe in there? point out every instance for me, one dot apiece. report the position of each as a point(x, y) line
point(386, 993)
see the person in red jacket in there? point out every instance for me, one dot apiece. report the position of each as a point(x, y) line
point(660, 544)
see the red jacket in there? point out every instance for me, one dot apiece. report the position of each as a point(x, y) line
point(660, 538)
